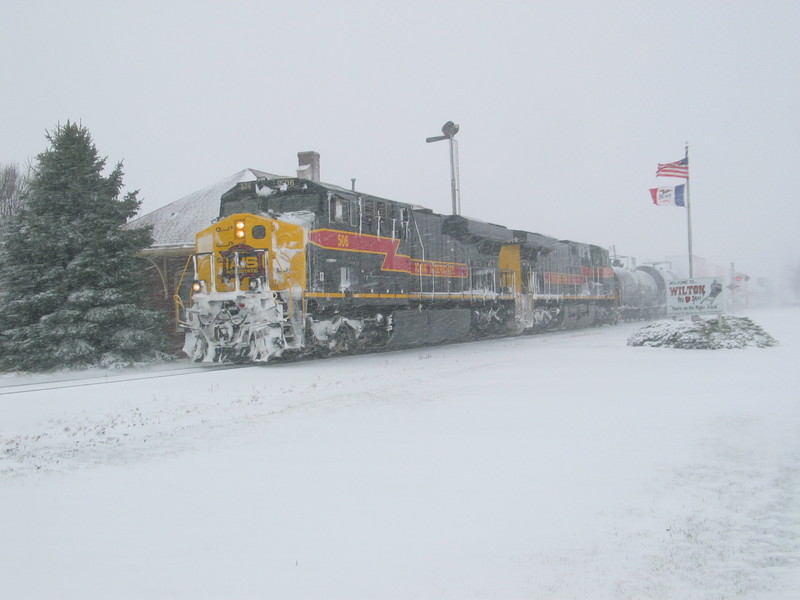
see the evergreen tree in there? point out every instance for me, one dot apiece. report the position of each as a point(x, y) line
point(13, 182)
point(71, 286)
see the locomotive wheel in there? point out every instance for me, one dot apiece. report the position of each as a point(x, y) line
point(343, 339)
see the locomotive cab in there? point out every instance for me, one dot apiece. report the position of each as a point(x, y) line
point(245, 300)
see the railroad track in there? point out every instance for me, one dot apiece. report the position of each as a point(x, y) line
point(68, 383)
point(7, 389)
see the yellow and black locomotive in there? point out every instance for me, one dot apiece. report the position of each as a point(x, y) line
point(296, 267)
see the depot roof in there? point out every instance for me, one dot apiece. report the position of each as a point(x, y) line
point(175, 225)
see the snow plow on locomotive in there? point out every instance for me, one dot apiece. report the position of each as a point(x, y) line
point(294, 267)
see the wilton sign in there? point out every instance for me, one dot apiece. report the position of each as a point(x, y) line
point(687, 297)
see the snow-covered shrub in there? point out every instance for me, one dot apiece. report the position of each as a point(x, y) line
point(715, 333)
point(71, 285)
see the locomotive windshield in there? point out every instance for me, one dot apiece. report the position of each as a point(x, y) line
point(244, 199)
point(283, 202)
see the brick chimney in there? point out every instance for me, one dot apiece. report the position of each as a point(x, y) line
point(308, 165)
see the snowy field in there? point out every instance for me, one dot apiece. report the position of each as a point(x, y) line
point(562, 466)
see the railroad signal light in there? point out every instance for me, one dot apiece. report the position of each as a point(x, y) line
point(449, 130)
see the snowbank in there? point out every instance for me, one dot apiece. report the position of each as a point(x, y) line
point(717, 333)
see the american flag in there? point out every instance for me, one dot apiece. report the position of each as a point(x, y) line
point(679, 168)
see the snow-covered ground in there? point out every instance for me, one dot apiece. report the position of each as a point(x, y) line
point(562, 466)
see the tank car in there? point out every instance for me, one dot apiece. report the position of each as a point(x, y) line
point(297, 267)
point(641, 292)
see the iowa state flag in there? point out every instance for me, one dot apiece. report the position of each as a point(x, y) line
point(672, 195)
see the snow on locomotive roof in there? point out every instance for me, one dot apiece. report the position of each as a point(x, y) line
point(294, 182)
point(471, 230)
point(536, 239)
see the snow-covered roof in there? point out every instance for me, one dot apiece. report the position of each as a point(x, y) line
point(175, 225)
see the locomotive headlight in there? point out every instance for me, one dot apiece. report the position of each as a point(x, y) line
point(239, 229)
point(197, 286)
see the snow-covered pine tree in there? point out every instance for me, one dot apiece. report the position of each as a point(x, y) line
point(13, 182)
point(71, 286)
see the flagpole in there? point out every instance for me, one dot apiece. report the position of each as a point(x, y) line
point(689, 218)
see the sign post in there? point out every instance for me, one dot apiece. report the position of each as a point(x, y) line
point(689, 297)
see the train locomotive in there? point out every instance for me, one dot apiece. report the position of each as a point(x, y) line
point(294, 267)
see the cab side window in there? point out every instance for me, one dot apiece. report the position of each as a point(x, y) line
point(339, 210)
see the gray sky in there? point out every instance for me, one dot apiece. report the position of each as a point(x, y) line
point(565, 107)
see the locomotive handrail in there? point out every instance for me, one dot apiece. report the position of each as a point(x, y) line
point(179, 305)
point(176, 296)
point(508, 281)
point(183, 275)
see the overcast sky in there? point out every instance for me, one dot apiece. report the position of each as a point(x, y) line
point(565, 108)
